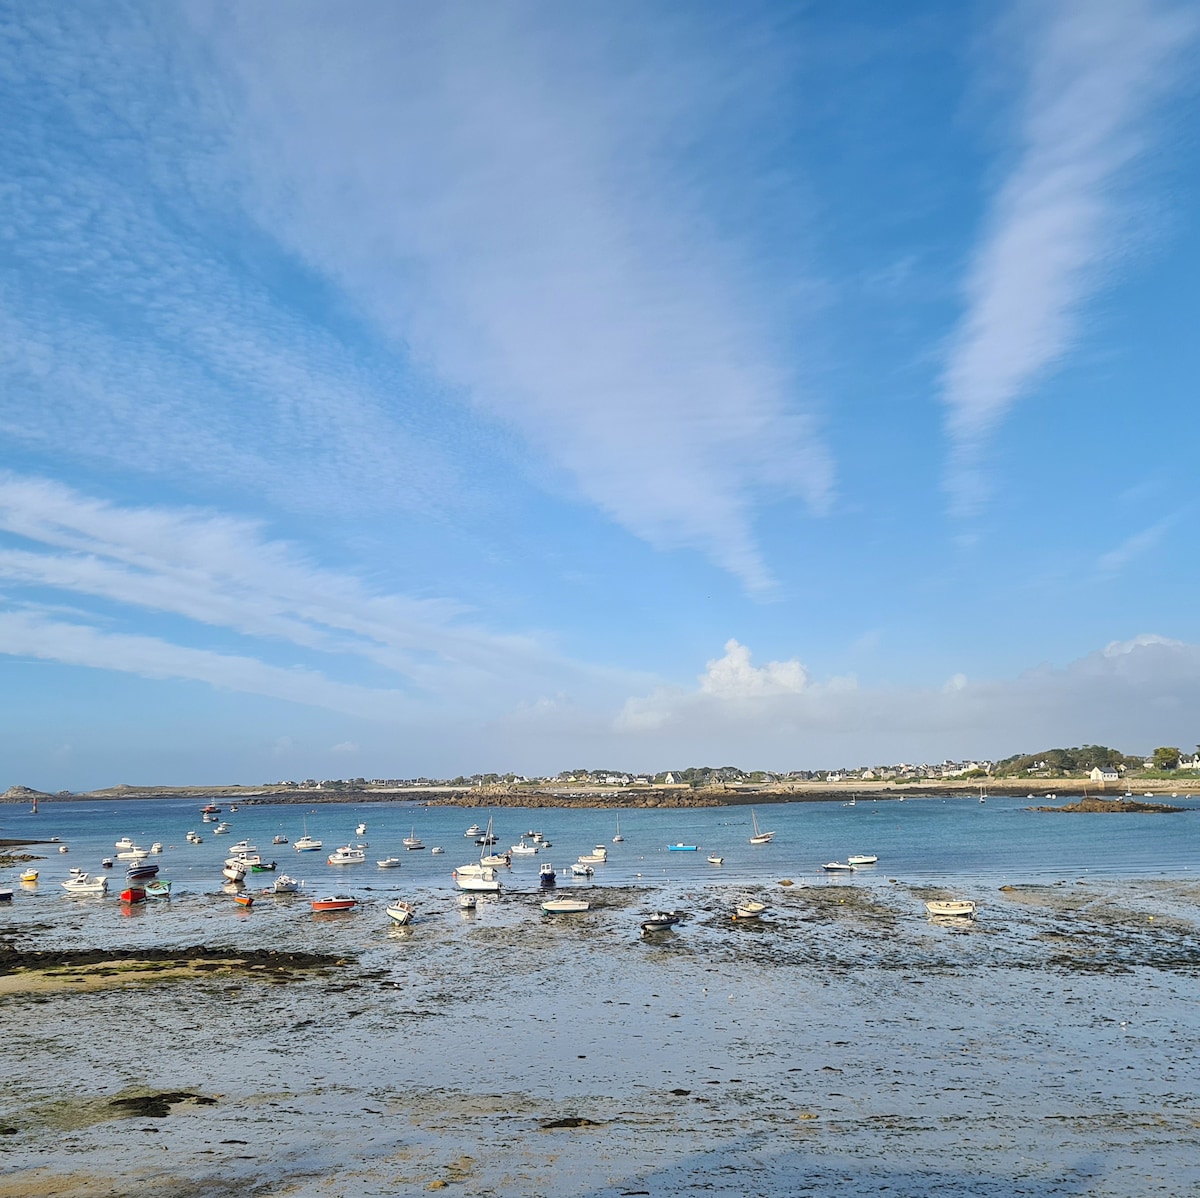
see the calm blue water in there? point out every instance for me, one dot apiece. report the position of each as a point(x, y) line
point(917, 840)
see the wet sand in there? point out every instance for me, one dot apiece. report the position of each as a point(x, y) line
point(843, 1044)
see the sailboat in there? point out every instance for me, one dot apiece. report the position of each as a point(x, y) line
point(618, 838)
point(412, 840)
point(759, 837)
point(306, 843)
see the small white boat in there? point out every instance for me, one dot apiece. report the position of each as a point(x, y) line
point(133, 854)
point(437, 848)
point(597, 856)
point(347, 855)
point(660, 921)
point(412, 840)
point(582, 870)
point(713, 859)
point(494, 860)
point(838, 867)
point(759, 836)
point(222, 829)
point(243, 848)
point(401, 913)
point(565, 906)
point(308, 844)
point(194, 838)
point(361, 830)
point(951, 908)
point(473, 830)
point(6, 894)
point(124, 843)
point(234, 871)
point(862, 859)
point(285, 884)
point(521, 849)
point(749, 909)
point(485, 883)
point(156, 847)
point(466, 900)
point(389, 863)
point(618, 838)
point(30, 875)
point(279, 839)
point(83, 883)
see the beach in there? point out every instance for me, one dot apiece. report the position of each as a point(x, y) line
point(843, 1043)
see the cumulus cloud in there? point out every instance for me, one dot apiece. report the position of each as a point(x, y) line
point(1096, 73)
point(1132, 694)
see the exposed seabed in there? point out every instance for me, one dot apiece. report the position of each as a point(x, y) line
point(843, 1044)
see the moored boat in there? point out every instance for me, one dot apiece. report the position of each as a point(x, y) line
point(713, 859)
point(30, 875)
point(837, 867)
point(279, 839)
point(140, 870)
point(565, 906)
point(401, 913)
point(682, 848)
point(660, 921)
point(82, 883)
point(951, 908)
point(750, 909)
point(389, 863)
point(347, 855)
point(412, 840)
point(285, 884)
point(862, 859)
point(157, 889)
point(473, 830)
point(244, 899)
point(466, 901)
point(521, 849)
point(335, 902)
point(759, 836)
point(581, 869)
point(133, 894)
point(546, 876)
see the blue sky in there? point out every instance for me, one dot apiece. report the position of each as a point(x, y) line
point(396, 389)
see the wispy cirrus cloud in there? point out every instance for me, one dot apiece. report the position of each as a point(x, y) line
point(140, 327)
point(264, 595)
point(508, 191)
point(1096, 77)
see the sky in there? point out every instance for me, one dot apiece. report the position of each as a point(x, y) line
point(393, 389)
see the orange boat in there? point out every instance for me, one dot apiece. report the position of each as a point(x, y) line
point(133, 894)
point(246, 900)
point(335, 902)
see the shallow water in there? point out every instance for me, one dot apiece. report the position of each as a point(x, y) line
point(845, 1043)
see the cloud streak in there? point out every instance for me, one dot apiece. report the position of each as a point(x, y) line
point(223, 573)
point(1096, 75)
point(509, 198)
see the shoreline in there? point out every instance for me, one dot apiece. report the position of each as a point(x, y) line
point(623, 797)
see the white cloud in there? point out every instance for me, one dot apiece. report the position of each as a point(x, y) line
point(345, 746)
point(1096, 72)
point(507, 202)
point(1131, 694)
point(223, 573)
point(733, 677)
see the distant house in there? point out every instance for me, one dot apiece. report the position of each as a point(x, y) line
point(1103, 775)
point(833, 777)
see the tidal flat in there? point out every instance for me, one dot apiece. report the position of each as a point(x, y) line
point(845, 1043)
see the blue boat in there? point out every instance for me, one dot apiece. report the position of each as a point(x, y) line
point(681, 848)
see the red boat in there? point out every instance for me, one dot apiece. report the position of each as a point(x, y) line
point(246, 900)
point(335, 902)
point(134, 894)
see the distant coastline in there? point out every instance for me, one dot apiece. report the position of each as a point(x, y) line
point(653, 796)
